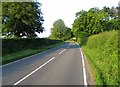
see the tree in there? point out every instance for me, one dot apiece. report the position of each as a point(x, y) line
point(95, 21)
point(21, 19)
point(112, 12)
point(67, 34)
point(60, 31)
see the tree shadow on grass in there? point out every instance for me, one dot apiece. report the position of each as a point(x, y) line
point(84, 41)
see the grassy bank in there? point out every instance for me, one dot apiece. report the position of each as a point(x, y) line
point(102, 52)
point(14, 45)
point(15, 51)
point(27, 52)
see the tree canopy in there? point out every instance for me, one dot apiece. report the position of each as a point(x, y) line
point(21, 19)
point(60, 30)
point(95, 21)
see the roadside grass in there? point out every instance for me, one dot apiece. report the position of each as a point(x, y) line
point(26, 52)
point(101, 51)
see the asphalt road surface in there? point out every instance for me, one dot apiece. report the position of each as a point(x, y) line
point(62, 65)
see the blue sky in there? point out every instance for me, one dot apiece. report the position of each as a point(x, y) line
point(66, 9)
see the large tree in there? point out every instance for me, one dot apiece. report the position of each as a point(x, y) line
point(21, 19)
point(95, 21)
point(60, 31)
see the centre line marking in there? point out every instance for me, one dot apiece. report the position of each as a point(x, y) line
point(62, 51)
point(33, 71)
point(68, 47)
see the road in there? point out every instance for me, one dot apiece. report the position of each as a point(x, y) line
point(62, 65)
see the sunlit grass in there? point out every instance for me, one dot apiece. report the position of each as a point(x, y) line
point(102, 52)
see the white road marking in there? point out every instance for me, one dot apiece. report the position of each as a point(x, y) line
point(84, 71)
point(62, 51)
point(85, 80)
point(68, 46)
point(28, 57)
point(83, 63)
point(33, 71)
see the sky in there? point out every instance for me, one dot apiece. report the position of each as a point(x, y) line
point(66, 9)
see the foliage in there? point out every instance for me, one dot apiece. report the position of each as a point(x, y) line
point(98, 31)
point(27, 52)
point(21, 19)
point(60, 31)
point(95, 21)
point(102, 52)
point(14, 45)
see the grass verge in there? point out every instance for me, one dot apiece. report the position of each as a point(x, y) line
point(24, 53)
point(102, 52)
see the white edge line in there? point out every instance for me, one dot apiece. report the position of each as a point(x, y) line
point(29, 56)
point(84, 71)
point(33, 71)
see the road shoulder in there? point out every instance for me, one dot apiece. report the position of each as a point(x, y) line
point(89, 71)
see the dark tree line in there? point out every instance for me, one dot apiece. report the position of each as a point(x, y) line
point(21, 19)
